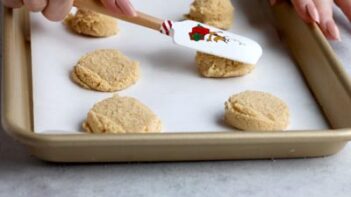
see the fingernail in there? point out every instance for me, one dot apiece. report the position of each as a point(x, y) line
point(127, 8)
point(333, 31)
point(312, 11)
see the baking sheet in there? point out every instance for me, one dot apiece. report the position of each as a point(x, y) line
point(170, 84)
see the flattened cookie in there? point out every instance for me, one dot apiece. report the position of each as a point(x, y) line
point(90, 23)
point(257, 111)
point(217, 13)
point(121, 115)
point(213, 66)
point(105, 70)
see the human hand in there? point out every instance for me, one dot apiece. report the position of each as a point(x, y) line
point(56, 10)
point(321, 12)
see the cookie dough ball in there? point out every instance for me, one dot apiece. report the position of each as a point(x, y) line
point(256, 111)
point(105, 70)
point(217, 13)
point(217, 67)
point(121, 115)
point(90, 23)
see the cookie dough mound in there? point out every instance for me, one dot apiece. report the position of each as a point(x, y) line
point(217, 13)
point(256, 111)
point(105, 70)
point(90, 23)
point(121, 115)
point(217, 67)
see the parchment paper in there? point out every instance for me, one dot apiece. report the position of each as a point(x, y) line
point(170, 84)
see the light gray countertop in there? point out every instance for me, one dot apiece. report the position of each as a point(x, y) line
point(23, 175)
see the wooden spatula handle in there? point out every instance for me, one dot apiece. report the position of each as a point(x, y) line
point(142, 19)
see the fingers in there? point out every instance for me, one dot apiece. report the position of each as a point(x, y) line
point(12, 3)
point(56, 10)
point(307, 10)
point(321, 12)
point(126, 7)
point(313, 12)
point(35, 5)
point(120, 7)
point(327, 23)
point(345, 6)
point(331, 30)
point(112, 6)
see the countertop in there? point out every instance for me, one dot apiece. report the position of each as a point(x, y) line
point(24, 175)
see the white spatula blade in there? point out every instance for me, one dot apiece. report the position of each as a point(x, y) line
point(215, 41)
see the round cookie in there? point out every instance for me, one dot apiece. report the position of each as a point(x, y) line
point(105, 70)
point(90, 23)
point(217, 67)
point(217, 13)
point(256, 111)
point(121, 115)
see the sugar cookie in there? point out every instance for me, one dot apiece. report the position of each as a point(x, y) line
point(217, 13)
point(105, 70)
point(217, 67)
point(256, 111)
point(90, 23)
point(121, 115)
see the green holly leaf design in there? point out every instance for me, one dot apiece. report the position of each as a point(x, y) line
point(197, 37)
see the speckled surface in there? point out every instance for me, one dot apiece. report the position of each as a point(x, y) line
point(23, 175)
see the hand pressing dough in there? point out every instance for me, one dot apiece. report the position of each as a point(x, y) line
point(105, 70)
point(90, 23)
point(121, 115)
point(256, 111)
point(217, 13)
point(217, 67)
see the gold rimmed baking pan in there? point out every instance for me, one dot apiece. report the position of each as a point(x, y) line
point(323, 73)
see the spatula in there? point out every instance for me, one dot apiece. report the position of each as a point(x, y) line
point(191, 34)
